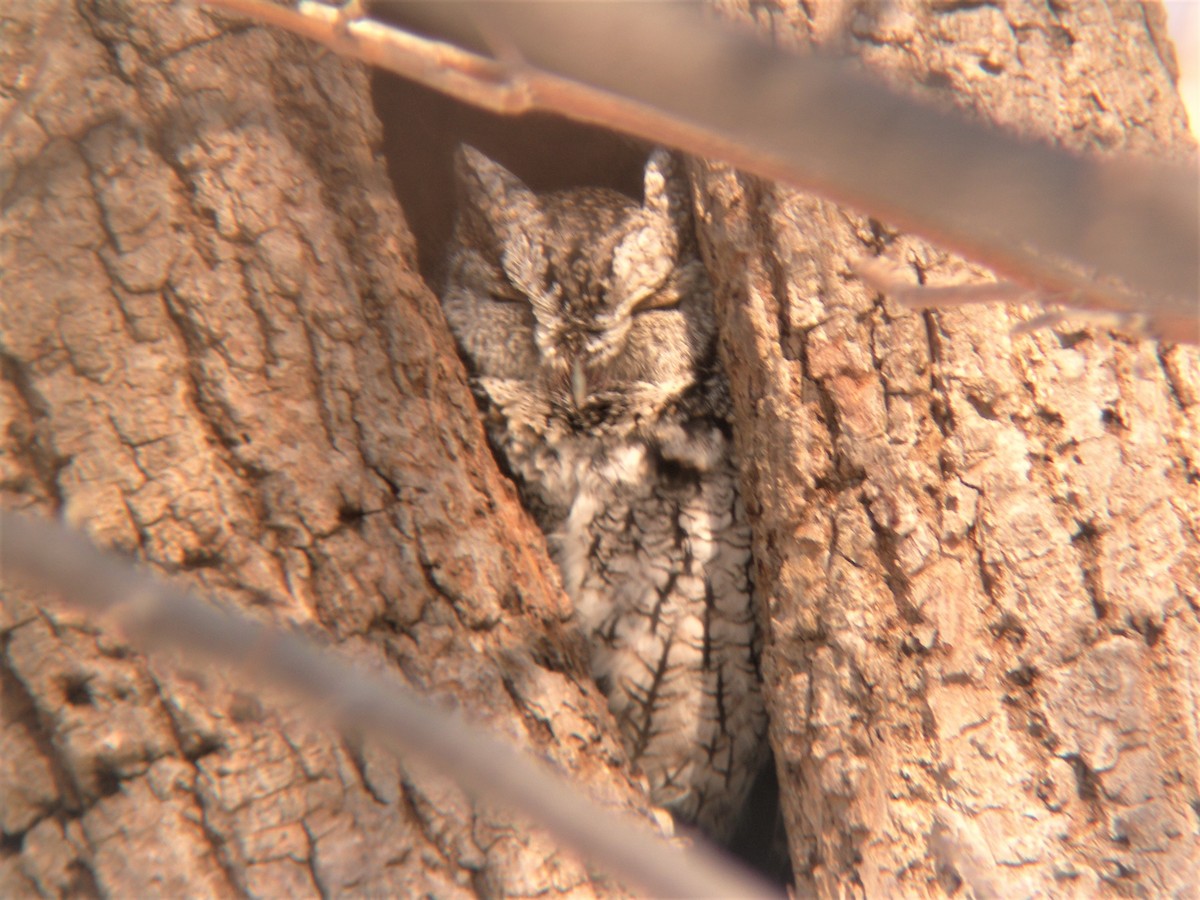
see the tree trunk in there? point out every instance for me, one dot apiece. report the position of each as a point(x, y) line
point(218, 358)
point(977, 553)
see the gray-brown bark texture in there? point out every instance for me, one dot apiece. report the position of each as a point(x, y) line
point(977, 553)
point(217, 358)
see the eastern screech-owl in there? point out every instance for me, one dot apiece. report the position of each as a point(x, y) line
point(587, 322)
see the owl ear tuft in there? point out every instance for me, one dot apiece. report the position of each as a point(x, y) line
point(665, 188)
point(491, 195)
point(503, 218)
point(645, 257)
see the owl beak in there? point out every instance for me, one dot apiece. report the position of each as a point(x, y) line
point(578, 384)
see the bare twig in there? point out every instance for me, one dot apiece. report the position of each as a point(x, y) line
point(1114, 235)
point(153, 611)
point(886, 279)
point(444, 67)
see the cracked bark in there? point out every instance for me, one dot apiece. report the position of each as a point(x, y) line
point(977, 554)
point(218, 359)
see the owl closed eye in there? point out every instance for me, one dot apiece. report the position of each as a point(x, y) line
point(581, 292)
point(586, 319)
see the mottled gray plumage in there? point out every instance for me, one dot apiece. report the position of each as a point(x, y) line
point(587, 322)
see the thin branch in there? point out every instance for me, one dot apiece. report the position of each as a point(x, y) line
point(444, 67)
point(1114, 235)
point(886, 279)
point(153, 611)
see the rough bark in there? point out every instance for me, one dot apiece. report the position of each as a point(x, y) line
point(218, 358)
point(977, 554)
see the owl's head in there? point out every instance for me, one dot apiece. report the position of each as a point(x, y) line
point(583, 297)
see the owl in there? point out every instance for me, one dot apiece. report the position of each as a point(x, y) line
point(587, 322)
